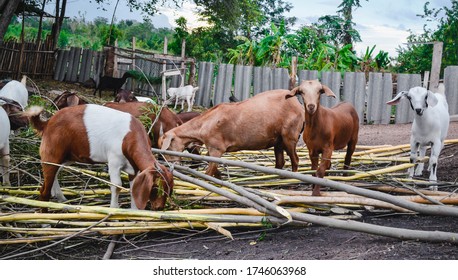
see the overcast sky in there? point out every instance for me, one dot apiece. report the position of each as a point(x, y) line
point(384, 23)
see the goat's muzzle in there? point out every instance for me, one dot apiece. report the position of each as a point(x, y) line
point(419, 112)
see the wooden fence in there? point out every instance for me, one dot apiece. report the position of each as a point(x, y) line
point(31, 59)
point(78, 65)
point(218, 82)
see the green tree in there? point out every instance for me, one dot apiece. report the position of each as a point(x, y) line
point(346, 9)
point(416, 56)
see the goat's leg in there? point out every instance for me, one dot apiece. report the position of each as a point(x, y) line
point(413, 155)
point(49, 174)
point(56, 191)
point(351, 147)
point(188, 100)
point(421, 165)
point(279, 156)
point(212, 169)
point(176, 102)
point(5, 164)
point(290, 148)
point(115, 178)
point(435, 152)
point(314, 158)
point(325, 164)
point(131, 184)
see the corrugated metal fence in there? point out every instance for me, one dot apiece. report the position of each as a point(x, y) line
point(218, 82)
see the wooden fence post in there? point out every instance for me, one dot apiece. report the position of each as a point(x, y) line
point(164, 68)
point(293, 74)
point(436, 66)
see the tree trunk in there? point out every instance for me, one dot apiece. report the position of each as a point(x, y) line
point(7, 13)
point(59, 19)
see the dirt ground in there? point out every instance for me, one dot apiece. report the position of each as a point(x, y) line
point(317, 242)
point(291, 243)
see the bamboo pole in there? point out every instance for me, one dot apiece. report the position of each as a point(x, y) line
point(424, 209)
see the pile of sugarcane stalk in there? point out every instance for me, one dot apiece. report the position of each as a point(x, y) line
point(251, 194)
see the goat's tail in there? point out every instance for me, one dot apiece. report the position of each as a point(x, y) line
point(33, 113)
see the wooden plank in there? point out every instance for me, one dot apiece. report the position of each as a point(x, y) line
point(223, 83)
point(280, 78)
point(242, 82)
point(354, 91)
point(76, 65)
point(262, 79)
point(380, 90)
point(451, 88)
point(403, 112)
point(204, 82)
point(332, 80)
point(71, 61)
point(59, 64)
point(307, 75)
point(63, 69)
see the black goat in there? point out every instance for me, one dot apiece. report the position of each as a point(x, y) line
point(111, 83)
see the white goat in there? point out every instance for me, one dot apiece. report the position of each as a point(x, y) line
point(429, 127)
point(4, 144)
point(183, 93)
point(16, 91)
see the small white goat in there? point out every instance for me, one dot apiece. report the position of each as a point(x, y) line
point(16, 91)
point(4, 144)
point(183, 93)
point(429, 127)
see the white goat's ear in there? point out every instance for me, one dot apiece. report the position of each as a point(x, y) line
point(166, 141)
point(397, 98)
point(431, 99)
point(328, 91)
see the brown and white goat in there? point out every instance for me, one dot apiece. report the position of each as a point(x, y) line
point(326, 129)
point(260, 122)
point(97, 134)
point(68, 99)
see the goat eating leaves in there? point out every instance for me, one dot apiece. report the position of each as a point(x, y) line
point(429, 127)
point(97, 134)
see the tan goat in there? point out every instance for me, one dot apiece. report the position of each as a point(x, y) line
point(326, 129)
point(260, 122)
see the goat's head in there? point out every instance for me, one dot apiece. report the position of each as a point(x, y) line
point(124, 96)
point(153, 184)
point(311, 92)
point(15, 113)
point(68, 99)
point(419, 98)
point(172, 91)
point(169, 141)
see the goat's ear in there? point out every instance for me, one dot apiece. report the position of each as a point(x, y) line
point(327, 91)
point(142, 187)
point(166, 140)
point(292, 93)
point(397, 98)
point(431, 99)
point(72, 100)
